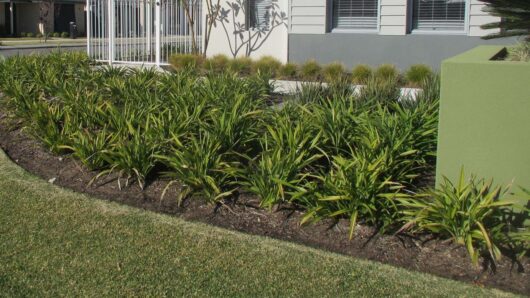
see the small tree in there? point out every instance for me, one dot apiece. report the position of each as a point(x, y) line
point(213, 8)
point(192, 10)
point(515, 18)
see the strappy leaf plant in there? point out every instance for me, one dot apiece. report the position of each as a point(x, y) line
point(356, 189)
point(289, 149)
point(198, 163)
point(467, 212)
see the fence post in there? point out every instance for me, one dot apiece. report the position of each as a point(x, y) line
point(88, 4)
point(111, 30)
point(157, 32)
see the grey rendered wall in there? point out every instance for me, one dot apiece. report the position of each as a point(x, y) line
point(372, 49)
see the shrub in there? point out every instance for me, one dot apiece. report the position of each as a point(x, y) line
point(65, 34)
point(417, 74)
point(310, 70)
point(218, 63)
point(334, 72)
point(469, 213)
point(386, 72)
point(56, 34)
point(361, 74)
point(520, 52)
point(186, 61)
point(267, 65)
point(289, 71)
point(30, 34)
point(241, 65)
point(39, 35)
point(23, 34)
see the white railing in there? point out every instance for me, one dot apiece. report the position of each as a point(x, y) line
point(141, 31)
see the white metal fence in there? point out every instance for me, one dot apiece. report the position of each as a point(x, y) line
point(141, 31)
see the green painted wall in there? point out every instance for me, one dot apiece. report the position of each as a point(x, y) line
point(485, 118)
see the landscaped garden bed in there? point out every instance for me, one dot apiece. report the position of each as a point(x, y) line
point(219, 149)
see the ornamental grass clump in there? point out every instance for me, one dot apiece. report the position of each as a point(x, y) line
point(386, 72)
point(310, 70)
point(383, 90)
point(289, 71)
point(241, 65)
point(361, 74)
point(218, 63)
point(430, 89)
point(333, 72)
point(469, 212)
point(267, 65)
point(418, 73)
point(181, 62)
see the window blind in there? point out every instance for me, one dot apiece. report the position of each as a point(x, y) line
point(355, 14)
point(439, 15)
point(259, 13)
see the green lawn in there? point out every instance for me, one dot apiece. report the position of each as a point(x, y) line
point(55, 242)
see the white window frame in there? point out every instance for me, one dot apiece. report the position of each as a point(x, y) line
point(352, 30)
point(410, 9)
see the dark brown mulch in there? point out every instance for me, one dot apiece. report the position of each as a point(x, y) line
point(420, 254)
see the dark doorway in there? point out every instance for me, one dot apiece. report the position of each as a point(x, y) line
point(64, 14)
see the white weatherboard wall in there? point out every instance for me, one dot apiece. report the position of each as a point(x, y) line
point(274, 45)
point(313, 17)
point(393, 17)
point(308, 16)
point(477, 17)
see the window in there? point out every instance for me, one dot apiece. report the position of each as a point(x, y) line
point(259, 15)
point(439, 15)
point(355, 14)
